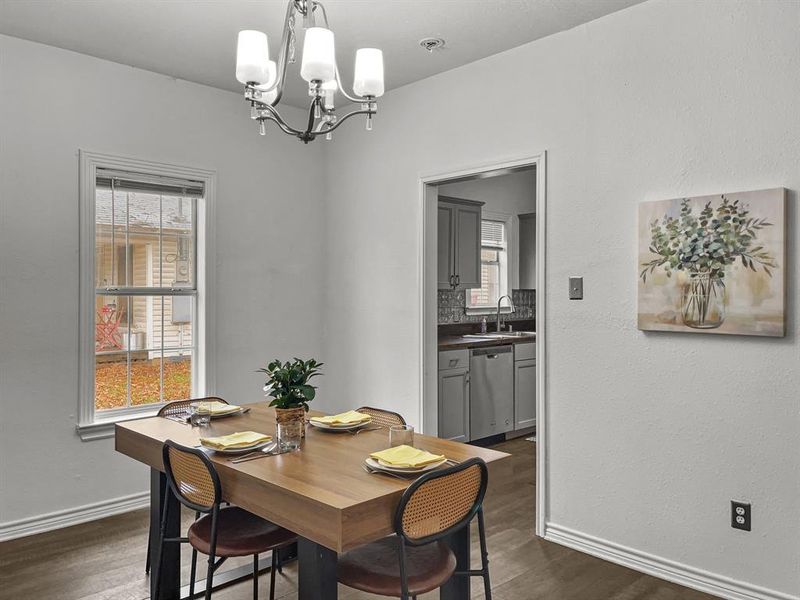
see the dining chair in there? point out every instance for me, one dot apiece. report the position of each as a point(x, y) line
point(416, 560)
point(174, 409)
point(384, 418)
point(221, 532)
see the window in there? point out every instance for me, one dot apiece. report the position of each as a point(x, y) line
point(144, 272)
point(494, 266)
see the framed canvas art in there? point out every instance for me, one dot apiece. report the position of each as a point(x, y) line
point(714, 264)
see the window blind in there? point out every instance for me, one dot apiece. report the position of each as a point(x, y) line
point(129, 181)
point(493, 234)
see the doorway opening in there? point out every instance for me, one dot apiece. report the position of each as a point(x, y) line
point(483, 342)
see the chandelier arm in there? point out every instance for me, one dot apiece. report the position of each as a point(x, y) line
point(335, 62)
point(344, 118)
point(311, 118)
point(283, 57)
point(283, 127)
point(279, 120)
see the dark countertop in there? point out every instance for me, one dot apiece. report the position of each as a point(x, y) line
point(459, 342)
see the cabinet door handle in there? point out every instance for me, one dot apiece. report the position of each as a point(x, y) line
point(452, 281)
point(458, 280)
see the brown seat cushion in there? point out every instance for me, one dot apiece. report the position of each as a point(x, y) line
point(239, 533)
point(375, 568)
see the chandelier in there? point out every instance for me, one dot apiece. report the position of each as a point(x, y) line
point(264, 80)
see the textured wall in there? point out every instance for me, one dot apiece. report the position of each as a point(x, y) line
point(650, 435)
point(263, 266)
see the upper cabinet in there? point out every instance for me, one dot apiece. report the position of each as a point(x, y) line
point(527, 251)
point(459, 243)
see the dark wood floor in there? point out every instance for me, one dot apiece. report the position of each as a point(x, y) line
point(104, 560)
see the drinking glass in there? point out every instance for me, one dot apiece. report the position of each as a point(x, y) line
point(199, 416)
point(400, 435)
point(289, 434)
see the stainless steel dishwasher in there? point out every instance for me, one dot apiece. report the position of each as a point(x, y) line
point(491, 373)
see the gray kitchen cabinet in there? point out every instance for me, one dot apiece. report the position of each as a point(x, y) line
point(491, 406)
point(446, 245)
point(454, 384)
point(459, 243)
point(527, 251)
point(525, 386)
point(454, 405)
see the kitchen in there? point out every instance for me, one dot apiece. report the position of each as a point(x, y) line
point(486, 298)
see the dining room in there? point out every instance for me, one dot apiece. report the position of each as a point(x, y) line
point(565, 369)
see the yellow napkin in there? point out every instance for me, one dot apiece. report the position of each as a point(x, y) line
point(216, 408)
point(240, 439)
point(406, 456)
point(350, 417)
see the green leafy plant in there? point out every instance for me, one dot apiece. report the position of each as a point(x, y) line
point(706, 244)
point(287, 382)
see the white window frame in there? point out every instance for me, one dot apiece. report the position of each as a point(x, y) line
point(92, 425)
point(511, 262)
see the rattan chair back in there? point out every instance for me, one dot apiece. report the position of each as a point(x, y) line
point(381, 417)
point(441, 502)
point(181, 407)
point(192, 477)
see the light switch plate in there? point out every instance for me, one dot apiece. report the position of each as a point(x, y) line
point(576, 288)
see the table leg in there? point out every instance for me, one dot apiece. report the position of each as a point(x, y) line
point(170, 571)
point(317, 571)
point(457, 588)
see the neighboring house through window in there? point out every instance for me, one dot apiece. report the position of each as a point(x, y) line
point(144, 273)
point(494, 266)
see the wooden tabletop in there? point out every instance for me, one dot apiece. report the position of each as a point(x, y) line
point(320, 492)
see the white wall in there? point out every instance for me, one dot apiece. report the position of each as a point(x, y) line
point(268, 297)
point(651, 435)
point(511, 195)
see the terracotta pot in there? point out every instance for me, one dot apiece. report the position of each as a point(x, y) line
point(287, 415)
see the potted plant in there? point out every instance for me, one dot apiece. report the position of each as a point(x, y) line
point(703, 247)
point(288, 386)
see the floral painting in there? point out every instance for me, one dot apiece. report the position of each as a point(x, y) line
point(714, 264)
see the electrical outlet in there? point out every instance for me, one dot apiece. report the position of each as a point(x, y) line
point(740, 515)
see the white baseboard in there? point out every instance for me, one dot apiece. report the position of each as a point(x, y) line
point(691, 577)
point(72, 516)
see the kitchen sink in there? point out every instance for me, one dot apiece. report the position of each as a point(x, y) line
point(500, 334)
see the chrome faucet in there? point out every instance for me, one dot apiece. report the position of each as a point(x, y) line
point(499, 300)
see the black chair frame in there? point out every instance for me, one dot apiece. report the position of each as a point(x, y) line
point(477, 510)
point(214, 562)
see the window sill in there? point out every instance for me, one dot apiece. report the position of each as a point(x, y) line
point(505, 310)
point(103, 427)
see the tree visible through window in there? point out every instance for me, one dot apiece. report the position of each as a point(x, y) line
point(494, 270)
point(145, 289)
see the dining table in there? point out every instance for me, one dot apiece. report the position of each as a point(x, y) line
point(320, 491)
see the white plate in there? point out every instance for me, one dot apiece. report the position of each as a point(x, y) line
point(233, 451)
point(374, 464)
point(327, 427)
point(238, 411)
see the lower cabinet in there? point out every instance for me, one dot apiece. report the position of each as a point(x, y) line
point(454, 404)
point(525, 387)
point(504, 399)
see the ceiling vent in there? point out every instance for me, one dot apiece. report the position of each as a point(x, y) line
point(432, 44)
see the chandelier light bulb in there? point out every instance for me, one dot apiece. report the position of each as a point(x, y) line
point(252, 57)
point(272, 76)
point(262, 128)
point(368, 80)
point(319, 58)
point(329, 88)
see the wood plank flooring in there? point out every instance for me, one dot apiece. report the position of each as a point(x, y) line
point(104, 560)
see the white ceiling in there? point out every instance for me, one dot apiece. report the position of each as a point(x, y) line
point(196, 39)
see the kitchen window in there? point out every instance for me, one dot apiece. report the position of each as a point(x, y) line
point(494, 266)
point(145, 268)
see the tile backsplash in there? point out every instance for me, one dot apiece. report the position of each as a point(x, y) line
point(452, 307)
